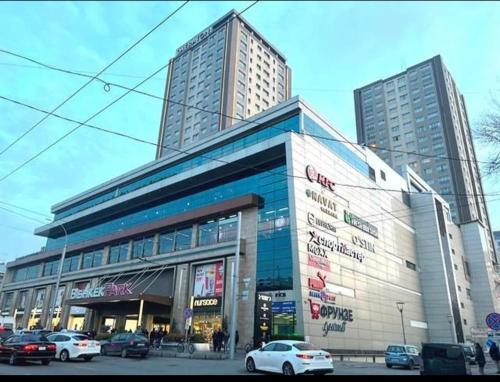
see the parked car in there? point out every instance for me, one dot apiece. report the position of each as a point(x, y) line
point(125, 344)
point(402, 355)
point(73, 346)
point(43, 332)
point(30, 347)
point(5, 333)
point(289, 358)
point(444, 359)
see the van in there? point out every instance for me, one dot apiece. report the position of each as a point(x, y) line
point(402, 355)
point(444, 359)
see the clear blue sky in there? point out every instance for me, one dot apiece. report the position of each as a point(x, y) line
point(332, 47)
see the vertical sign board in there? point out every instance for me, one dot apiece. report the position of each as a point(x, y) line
point(263, 316)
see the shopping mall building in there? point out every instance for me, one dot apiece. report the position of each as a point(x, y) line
point(331, 240)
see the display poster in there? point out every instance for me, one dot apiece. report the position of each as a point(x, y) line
point(209, 280)
point(263, 316)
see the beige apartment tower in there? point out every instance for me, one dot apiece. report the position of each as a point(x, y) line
point(225, 74)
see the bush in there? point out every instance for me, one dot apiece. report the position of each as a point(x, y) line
point(173, 337)
point(103, 336)
point(198, 338)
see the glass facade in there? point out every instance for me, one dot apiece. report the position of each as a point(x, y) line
point(311, 127)
point(118, 253)
point(290, 124)
point(92, 259)
point(142, 247)
point(27, 273)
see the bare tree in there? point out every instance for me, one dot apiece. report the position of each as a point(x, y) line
point(488, 132)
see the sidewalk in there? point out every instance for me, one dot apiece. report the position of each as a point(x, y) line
point(196, 355)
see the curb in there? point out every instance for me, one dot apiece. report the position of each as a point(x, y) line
point(195, 355)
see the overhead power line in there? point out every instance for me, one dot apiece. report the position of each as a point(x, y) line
point(215, 159)
point(216, 112)
point(92, 77)
point(22, 215)
point(25, 209)
point(99, 112)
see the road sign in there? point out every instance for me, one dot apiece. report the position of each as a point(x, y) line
point(188, 313)
point(493, 321)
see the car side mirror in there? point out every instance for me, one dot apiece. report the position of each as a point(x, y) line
point(261, 349)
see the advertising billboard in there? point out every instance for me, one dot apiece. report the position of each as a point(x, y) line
point(209, 280)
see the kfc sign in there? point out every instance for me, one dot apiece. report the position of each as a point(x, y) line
point(315, 177)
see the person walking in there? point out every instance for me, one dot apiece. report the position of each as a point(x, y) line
point(152, 337)
point(480, 359)
point(236, 340)
point(495, 356)
point(226, 340)
point(220, 339)
point(214, 339)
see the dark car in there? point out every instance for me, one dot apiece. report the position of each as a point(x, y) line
point(470, 354)
point(402, 355)
point(444, 359)
point(125, 344)
point(5, 333)
point(28, 347)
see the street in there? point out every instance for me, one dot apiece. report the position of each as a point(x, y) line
point(182, 366)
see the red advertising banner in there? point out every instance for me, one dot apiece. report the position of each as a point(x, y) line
point(219, 278)
point(319, 262)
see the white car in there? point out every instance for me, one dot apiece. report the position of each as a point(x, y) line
point(72, 346)
point(289, 358)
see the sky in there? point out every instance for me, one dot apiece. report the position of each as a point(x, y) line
point(332, 48)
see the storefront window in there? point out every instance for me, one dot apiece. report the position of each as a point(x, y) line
point(21, 302)
point(207, 233)
point(70, 264)
point(227, 229)
point(183, 239)
point(167, 242)
point(7, 302)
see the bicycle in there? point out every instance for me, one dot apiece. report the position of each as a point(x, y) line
point(185, 345)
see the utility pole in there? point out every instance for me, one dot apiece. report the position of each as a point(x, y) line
point(59, 273)
point(234, 289)
point(400, 306)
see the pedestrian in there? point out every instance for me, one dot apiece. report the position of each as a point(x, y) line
point(480, 359)
point(214, 339)
point(226, 340)
point(220, 339)
point(236, 340)
point(159, 338)
point(152, 337)
point(495, 356)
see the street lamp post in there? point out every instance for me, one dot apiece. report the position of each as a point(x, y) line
point(59, 273)
point(400, 306)
point(234, 289)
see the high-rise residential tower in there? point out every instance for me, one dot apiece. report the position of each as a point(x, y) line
point(420, 116)
point(226, 73)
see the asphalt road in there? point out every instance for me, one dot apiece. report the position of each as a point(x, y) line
point(182, 366)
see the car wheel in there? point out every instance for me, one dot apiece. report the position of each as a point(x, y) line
point(143, 355)
point(103, 351)
point(124, 353)
point(87, 359)
point(388, 365)
point(64, 356)
point(12, 359)
point(250, 364)
point(288, 369)
point(411, 365)
point(191, 348)
point(180, 348)
point(45, 362)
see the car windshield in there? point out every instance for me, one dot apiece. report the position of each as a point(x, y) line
point(305, 346)
point(80, 338)
point(140, 338)
point(33, 338)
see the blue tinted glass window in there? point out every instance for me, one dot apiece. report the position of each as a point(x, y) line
point(167, 242)
point(183, 239)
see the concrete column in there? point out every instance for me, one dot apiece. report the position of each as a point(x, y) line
point(181, 295)
point(105, 255)
point(46, 305)
point(29, 305)
point(194, 237)
point(129, 253)
point(156, 244)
